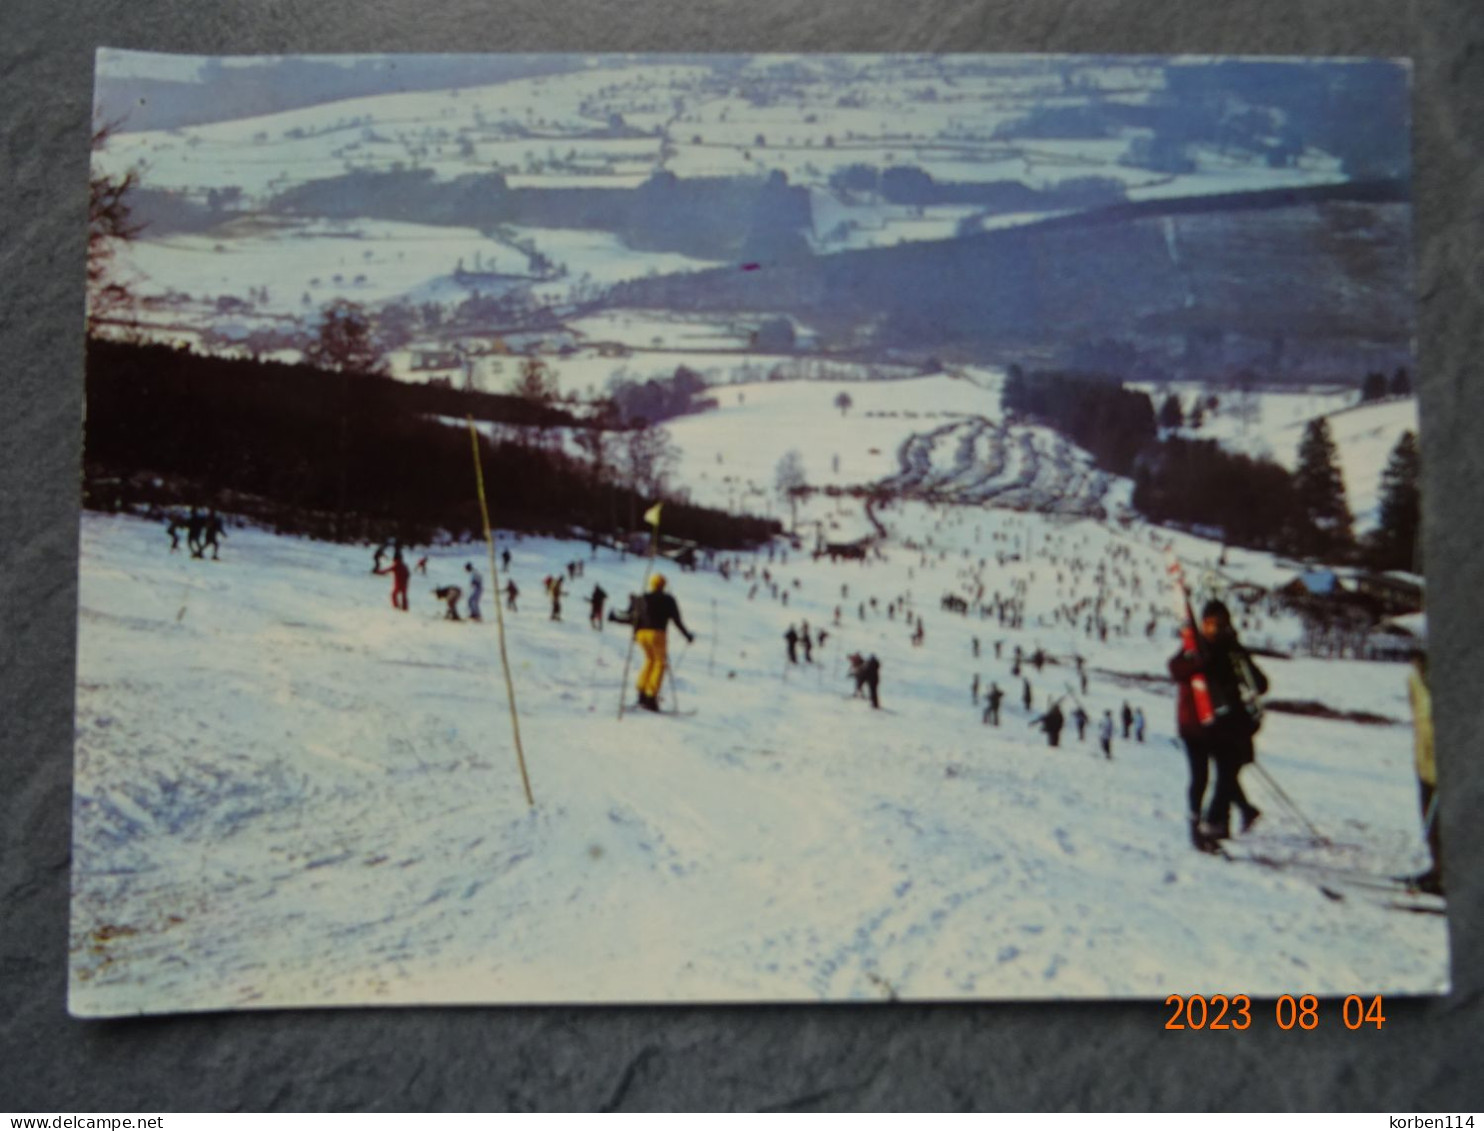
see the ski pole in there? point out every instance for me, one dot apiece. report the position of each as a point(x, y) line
point(674, 689)
point(1319, 838)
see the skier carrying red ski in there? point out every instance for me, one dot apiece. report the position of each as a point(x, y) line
point(1217, 716)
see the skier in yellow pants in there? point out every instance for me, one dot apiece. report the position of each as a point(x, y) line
point(652, 614)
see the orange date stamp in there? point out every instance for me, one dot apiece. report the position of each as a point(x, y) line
point(1235, 1011)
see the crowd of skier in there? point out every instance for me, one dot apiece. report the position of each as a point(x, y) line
point(1100, 593)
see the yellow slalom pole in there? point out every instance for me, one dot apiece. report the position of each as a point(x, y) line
point(489, 538)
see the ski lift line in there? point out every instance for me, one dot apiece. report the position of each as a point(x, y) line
point(489, 538)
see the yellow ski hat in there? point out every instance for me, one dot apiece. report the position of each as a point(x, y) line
point(656, 583)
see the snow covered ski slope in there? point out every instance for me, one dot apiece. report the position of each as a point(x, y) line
point(289, 793)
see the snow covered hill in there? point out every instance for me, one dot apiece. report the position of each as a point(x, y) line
point(1270, 424)
point(288, 793)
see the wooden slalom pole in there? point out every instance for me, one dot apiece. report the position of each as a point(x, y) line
point(489, 538)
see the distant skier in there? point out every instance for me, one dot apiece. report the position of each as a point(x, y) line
point(555, 590)
point(1105, 735)
point(1139, 723)
point(449, 594)
point(376, 558)
point(1025, 694)
point(422, 566)
point(476, 590)
point(650, 615)
point(992, 699)
point(505, 560)
point(173, 528)
point(1052, 722)
point(211, 532)
point(194, 526)
point(806, 642)
point(595, 607)
point(511, 593)
point(791, 639)
point(1127, 716)
point(400, 576)
point(974, 690)
point(1080, 721)
point(871, 678)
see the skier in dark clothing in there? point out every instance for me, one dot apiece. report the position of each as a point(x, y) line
point(791, 638)
point(194, 526)
point(212, 531)
point(1128, 718)
point(650, 615)
point(871, 678)
point(595, 607)
point(1052, 722)
point(1025, 694)
point(505, 560)
point(555, 591)
point(992, 699)
point(173, 528)
point(1080, 720)
point(511, 593)
point(377, 557)
point(1218, 685)
point(450, 595)
point(807, 643)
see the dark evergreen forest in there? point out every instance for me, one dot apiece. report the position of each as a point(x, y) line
point(343, 456)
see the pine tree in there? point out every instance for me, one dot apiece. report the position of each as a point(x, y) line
point(1170, 415)
point(1373, 388)
point(1393, 545)
point(1321, 494)
point(346, 342)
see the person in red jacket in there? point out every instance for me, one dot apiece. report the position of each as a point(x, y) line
point(400, 576)
point(1213, 723)
point(1192, 735)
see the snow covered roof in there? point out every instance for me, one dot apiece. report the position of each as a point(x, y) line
point(1413, 624)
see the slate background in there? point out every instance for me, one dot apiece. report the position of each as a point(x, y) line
point(1023, 1056)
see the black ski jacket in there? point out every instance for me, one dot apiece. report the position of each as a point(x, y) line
point(655, 611)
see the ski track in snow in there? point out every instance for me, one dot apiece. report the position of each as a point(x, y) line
point(290, 794)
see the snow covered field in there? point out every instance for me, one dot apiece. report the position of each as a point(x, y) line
point(613, 122)
point(1270, 424)
point(288, 793)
